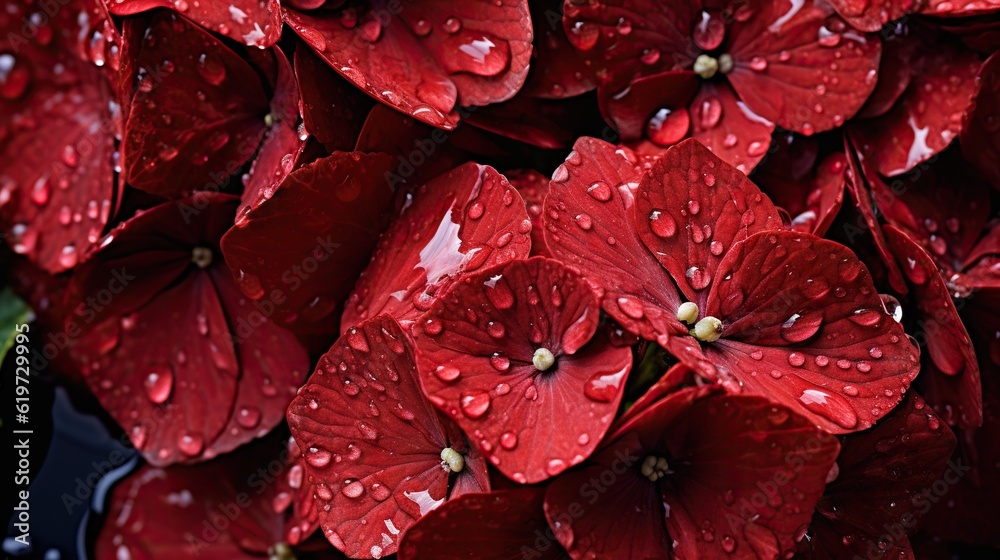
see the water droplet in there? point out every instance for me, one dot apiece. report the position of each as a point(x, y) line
point(668, 127)
point(248, 417)
point(317, 457)
point(191, 444)
point(159, 383)
point(662, 224)
point(452, 25)
point(211, 69)
point(508, 440)
point(353, 489)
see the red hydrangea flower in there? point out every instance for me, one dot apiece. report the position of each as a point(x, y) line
point(377, 454)
point(460, 222)
point(510, 353)
point(454, 531)
point(299, 251)
point(171, 348)
point(230, 508)
point(724, 73)
point(770, 312)
point(201, 111)
point(918, 104)
point(256, 23)
point(423, 58)
point(59, 114)
point(875, 495)
point(695, 474)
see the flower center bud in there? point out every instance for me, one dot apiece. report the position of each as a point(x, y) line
point(543, 359)
point(280, 551)
point(725, 63)
point(654, 468)
point(706, 66)
point(268, 120)
point(453, 459)
point(709, 329)
point(688, 312)
point(201, 256)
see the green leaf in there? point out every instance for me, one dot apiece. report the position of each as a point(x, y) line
point(13, 312)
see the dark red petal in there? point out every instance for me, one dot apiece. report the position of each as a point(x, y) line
point(925, 119)
point(690, 208)
point(198, 114)
point(860, 172)
point(881, 476)
point(621, 517)
point(872, 15)
point(475, 359)
point(557, 70)
point(58, 118)
point(217, 510)
point(533, 187)
point(896, 71)
point(429, 58)
point(804, 326)
point(462, 221)
point(332, 109)
point(588, 226)
point(941, 328)
point(284, 142)
point(304, 511)
point(801, 67)
point(633, 110)
point(623, 40)
point(980, 132)
point(370, 440)
point(748, 476)
point(514, 519)
point(544, 123)
point(256, 23)
point(811, 211)
point(299, 252)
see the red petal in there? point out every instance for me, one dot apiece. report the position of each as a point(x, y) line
point(801, 67)
point(469, 218)
point(299, 252)
point(951, 8)
point(475, 357)
point(429, 57)
point(880, 482)
point(198, 115)
point(533, 187)
point(256, 23)
point(860, 172)
point(928, 115)
point(544, 123)
point(811, 211)
point(514, 517)
point(557, 70)
point(57, 124)
point(872, 15)
point(804, 326)
point(332, 108)
point(284, 143)
point(370, 440)
point(595, 187)
point(213, 511)
point(980, 140)
point(691, 207)
point(630, 39)
point(633, 110)
point(948, 343)
point(733, 496)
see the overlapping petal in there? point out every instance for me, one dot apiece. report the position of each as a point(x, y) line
point(373, 444)
point(256, 23)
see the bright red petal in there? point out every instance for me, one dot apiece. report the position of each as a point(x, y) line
point(429, 58)
point(514, 518)
point(198, 115)
point(801, 67)
point(298, 253)
point(462, 221)
point(690, 208)
point(928, 115)
point(58, 118)
point(588, 226)
point(804, 326)
point(881, 475)
point(476, 346)
point(981, 140)
point(371, 442)
point(256, 23)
